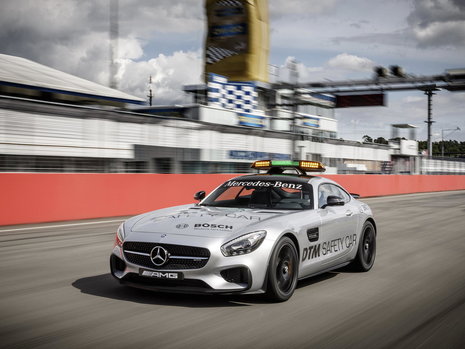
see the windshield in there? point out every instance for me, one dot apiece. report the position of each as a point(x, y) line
point(276, 194)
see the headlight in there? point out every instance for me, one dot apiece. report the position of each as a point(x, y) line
point(119, 239)
point(243, 244)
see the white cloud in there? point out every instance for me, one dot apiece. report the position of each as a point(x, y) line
point(280, 8)
point(73, 36)
point(349, 62)
point(129, 48)
point(169, 74)
point(441, 34)
point(85, 56)
point(342, 66)
point(438, 23)
point(148, 17)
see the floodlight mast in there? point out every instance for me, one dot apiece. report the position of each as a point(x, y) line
point(430, 93)
point(294, 78)
point(114, 33)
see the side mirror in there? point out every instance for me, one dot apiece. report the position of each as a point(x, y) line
point(199, 195)
point(334, 201)
point(355, 196)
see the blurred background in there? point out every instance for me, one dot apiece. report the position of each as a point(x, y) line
point(192, 87)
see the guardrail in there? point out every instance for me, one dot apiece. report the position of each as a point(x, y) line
point(46, 197)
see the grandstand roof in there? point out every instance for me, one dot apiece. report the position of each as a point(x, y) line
point(24, 73)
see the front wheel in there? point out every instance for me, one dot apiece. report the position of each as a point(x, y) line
point(282, 271)
point(366, 252)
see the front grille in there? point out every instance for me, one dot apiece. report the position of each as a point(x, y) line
point(181, 257)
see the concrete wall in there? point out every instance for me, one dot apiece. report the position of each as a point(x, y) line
point(46, 197)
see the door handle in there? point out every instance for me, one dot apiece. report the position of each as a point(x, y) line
point(349, 213)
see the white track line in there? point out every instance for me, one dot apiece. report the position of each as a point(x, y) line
point(61, 225)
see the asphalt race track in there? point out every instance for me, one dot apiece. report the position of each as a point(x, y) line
point(56, 292)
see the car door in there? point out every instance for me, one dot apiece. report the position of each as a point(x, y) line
point(338, 226)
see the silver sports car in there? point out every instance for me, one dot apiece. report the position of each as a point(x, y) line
point(257, 233)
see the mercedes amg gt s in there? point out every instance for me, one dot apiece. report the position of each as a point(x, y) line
point(257, 233)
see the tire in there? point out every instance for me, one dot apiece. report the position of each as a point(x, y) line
point(366, 251)
point(282, 271)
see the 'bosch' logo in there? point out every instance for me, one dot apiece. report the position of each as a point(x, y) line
point(212, 226)
point(159, 256)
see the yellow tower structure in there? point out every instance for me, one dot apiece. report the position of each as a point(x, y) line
point(237, 40)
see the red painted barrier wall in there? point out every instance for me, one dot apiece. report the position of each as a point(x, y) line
point(47, 197)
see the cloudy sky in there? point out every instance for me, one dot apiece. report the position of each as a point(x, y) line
point(331, 39)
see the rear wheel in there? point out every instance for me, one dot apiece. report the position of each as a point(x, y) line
point(282, 271)
point(366, 252)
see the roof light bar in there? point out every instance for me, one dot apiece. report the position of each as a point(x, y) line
point(307, 166)
point(311, 165)
point(262, 164)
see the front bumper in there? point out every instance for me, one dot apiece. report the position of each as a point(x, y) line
point(194, 286)
point(225, 275)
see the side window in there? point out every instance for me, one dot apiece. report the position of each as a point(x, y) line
point(341, 193)
point(326, 190)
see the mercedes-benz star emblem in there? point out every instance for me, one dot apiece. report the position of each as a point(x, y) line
point(159, 256)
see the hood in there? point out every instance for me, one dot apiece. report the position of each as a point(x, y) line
point(195, 220)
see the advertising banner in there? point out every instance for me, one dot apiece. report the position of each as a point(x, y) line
point(251, 120)
point(311, 121)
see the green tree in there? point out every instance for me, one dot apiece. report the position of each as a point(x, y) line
point(367, 139)
point(381, 140)
point(451, 148)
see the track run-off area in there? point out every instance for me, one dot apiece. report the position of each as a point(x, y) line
point(56, 292)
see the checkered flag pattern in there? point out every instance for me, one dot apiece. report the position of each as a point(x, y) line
point(229, 3)
point(238, 96)
point(216, 54)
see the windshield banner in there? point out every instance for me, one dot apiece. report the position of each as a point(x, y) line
point(264, 184)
